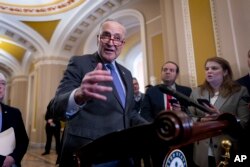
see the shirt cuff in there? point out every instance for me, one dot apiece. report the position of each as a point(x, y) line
point(73, 107)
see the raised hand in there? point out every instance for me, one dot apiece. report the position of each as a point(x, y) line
point(91, 86)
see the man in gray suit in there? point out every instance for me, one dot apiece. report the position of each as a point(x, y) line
point(89, 100)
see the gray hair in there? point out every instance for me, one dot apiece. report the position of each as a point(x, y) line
point(113, 20)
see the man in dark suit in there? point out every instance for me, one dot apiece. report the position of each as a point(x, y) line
point(52, 128)
point(11, 117)
point(155, 101)
point(88, 98)
point(245, 80)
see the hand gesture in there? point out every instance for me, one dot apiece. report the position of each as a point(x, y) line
point(91, 87)
point(8, 162)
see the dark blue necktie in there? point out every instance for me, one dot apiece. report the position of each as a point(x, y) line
point(117, 83)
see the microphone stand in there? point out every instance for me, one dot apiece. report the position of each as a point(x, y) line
point(181, 97)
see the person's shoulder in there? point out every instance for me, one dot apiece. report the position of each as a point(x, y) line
point(83, 57)
point(118, 65)
point(86, 59)
point(10, 109)
point(243, 88)
point(196, 89)
point(244, 78)
point(124, 70)
point(152, 89)
point(184, 87)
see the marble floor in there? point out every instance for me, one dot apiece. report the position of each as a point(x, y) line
point(33, 158)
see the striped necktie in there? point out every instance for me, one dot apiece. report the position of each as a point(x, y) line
point(168, 105)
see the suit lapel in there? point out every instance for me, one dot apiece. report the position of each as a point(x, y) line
point(219, 102)
point(95, 60)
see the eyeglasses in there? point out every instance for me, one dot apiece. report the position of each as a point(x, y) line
point(105, 38)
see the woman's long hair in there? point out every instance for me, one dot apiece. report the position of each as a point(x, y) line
point(228, 86)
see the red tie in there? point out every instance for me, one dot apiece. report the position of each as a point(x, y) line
point(168, 97)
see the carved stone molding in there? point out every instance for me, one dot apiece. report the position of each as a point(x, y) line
point(215, 28)
point(56, 60)
point(189, 44)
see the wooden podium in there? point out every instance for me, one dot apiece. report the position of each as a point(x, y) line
point(170, 130)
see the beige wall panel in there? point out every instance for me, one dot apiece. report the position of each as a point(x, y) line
point(158, 56)
point(169, 30)
point(232, 27)
point(154, 42)
point(18, 94)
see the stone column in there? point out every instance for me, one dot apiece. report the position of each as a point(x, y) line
point(177, 39)
point(18, 93)
point(42, 87)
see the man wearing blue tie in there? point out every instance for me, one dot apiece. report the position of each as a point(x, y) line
point(95, 95)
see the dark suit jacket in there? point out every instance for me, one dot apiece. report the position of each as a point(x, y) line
point(12, 118)
point(153, 102)
point(138, 104)
point(96, 118)
point(50, 115)
point(245, 81)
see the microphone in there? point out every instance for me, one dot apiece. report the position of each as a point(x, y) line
point(183, 98)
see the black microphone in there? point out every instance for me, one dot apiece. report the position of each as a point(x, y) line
point(184, 98)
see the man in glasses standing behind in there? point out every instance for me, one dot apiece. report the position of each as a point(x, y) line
point(95, 95)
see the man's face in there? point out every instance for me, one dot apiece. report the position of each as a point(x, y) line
point(136, 86)
point(2, 89)
point(169, 74)
point(111, 40)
